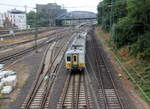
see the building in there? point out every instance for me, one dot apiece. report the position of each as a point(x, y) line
point(76, 18)
point(18, 18)
point(13, 19)
point(52, 9)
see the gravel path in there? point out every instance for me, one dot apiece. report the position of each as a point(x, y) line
point(33, 61)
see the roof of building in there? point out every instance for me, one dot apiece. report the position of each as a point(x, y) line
point(15, 11)
point(77, 15)
point(54, 4)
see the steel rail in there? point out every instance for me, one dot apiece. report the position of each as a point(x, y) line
point(75, 88)
point(37, 82)
point(86, 93)
point(36, 85)
point(73, 91)
point(103, 62)
point(42, 65)
point(3, 47)
point(78, 92)
point(10, 36)
point(50, 81)
point(22, 52)
point(68, 81)
point(48, 88)
point(40, 81)
point(111, 79)
point(65, 91)
point(99, 75)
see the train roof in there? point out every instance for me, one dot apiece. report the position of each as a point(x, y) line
point(79, 43)
point(74, 51)
point(80, 39)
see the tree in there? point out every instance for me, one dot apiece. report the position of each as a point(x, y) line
point(39, 19)
point(129, 23)
point(133, 29)
point(31, 18)
point(110, 11)
point(43, 19)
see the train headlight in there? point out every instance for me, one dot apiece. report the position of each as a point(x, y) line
point(82, 64)
point(68, 65)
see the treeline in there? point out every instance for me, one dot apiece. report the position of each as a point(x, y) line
point(38, 19)
point(129, 24)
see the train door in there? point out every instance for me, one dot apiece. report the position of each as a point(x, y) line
point(75, 60)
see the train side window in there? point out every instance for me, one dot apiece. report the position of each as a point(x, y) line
point(75, 59)
point(68, 58)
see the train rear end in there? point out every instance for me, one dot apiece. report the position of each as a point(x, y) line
point(75, 60)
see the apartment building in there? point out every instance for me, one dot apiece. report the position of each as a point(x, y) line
point(13, 19)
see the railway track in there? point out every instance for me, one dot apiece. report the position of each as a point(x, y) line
point(109, 97)
point(6, 32)
point(3, 47)
point(39, 95)
point(14, 56)
point(10, 36)
point(75, 93)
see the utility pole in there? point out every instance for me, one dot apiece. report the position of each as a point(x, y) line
point(102, 14)
point(26, 15)
point(110, 6)
point(110, 15)
point(25, 8)
point(112, 3)
point(112, 12)
point(36, 32)
point(35, 37)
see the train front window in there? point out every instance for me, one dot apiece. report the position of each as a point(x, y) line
point(68, 58)
point(75, 59)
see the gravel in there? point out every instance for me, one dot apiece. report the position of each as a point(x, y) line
point(33, 61)
point(58, 87)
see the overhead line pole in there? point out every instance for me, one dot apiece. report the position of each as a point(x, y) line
point(36, 32)
point(26, 16)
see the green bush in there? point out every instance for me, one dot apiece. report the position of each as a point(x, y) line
point(122, 33)
point(110, 12)
point(134, 29)
point(142, 46)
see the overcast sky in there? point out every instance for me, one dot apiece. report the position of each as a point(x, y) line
point(71, 5)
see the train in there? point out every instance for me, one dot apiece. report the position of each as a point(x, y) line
point(75, 54)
